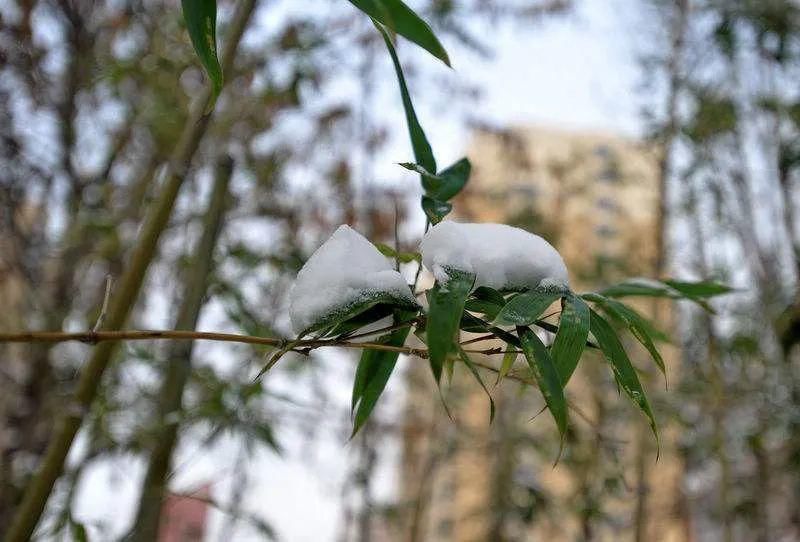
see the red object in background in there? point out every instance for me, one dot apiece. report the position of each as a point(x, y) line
point(183, 519)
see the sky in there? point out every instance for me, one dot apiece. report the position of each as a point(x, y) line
point(577, 71)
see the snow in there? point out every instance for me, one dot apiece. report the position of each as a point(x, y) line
point(345, 270)
point(502, 257)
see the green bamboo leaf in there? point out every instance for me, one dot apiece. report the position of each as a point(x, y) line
point(369, 316)
point(546, 374)
point(526, 308)
point(486, 301)
point(703, 289)
point(451, 180)
point(445, 307)
point(698, 292)
point(435, 210)
point(334, 322)
point(638, 325)
point(474, 370)
point(447, 183)
point(508, 362)
point(400, 18)
point(402, 257)
point(423, 153)
point(373, 372)
point(473, 324)
point(624, 372)
point(573, 331)
point(201, 23)
point(640, 287)
point(489, 294)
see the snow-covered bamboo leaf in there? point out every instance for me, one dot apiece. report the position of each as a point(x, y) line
point(344, 278)
point(423, 153)
point(573, 330)
point(201, 23)
point(624, 372)
point(397, 16)
point(526, 308)
point(638, 325)
point(546, 374)
point(373, 372)
point(446, 304)
point(474, 370)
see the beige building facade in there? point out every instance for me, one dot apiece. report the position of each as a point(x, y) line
point(595, 197)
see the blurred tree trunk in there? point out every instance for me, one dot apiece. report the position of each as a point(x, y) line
point(178, 361)
point(678, 13)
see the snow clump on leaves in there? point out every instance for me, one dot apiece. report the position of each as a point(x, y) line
point(345, 275)
point(501, 256)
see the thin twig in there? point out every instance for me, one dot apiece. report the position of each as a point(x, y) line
point(104, 308)
point(94, 337)
point(480, 339)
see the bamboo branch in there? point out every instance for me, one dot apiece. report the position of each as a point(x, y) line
point(302, 346)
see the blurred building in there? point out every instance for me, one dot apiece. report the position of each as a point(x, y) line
point(183, 519)
point(595, 197)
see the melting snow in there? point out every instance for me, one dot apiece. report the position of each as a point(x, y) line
point(501, 256)
point(345, 270)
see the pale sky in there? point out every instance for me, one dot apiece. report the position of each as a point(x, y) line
point(577, 71)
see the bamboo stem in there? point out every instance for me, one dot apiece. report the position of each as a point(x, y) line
point(179, 361)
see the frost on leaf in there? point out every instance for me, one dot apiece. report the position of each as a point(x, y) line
point(501, 257)
point(344, 277)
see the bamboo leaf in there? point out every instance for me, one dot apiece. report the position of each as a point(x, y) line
point(446, 305)
point(508, 362)
point(201, 23)
point(703, 289)
point(435, 210)
point(447, 183)
point(338, 321)
point(402, 257)
point(451, 180)
point(640, 328)
point(477, 375)
point(526, 308)
point(397, 16)
point(697, 292)
point(473, 324)
point(373, 372)
point(573, 331)
point(486, 301)
point(624, 372)
point(423, 153)
point(546, 374)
